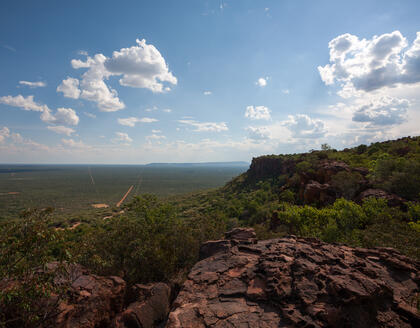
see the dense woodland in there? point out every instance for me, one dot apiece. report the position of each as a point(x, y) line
point(366, 196)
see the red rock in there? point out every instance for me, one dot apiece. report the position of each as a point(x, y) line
point(150, 310)
point(212, 247)
point(317, 193)
point(95, 300)
point(298, 282)
point(329, 168)
point(392, 199)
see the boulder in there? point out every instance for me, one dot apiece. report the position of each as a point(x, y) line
point(298, 282)
point(392, 199)
point(242, 235)
point(150, 309)
point(328, 168)
point(212, 247)
point(317, 193)
point(94, 300)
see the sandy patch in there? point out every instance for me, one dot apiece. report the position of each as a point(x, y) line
point(9, 193)
point(100, 205)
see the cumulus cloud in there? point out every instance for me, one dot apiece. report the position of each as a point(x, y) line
point(382, 111)
point(60, 129)
point(122, 137)
point(302, 126)
point(131, 121)
point(65, 116)
point(285, 91)
point(367, 65)
point(141, 66)
point(20, 101)
point(167, 110)
point(207, 93)
point(257, 113)
point(33, 84)
point(205, 126)
point(62, 116)
point(93, 86)
point(259, 133)
point(70, 88)
point(4, 133)
point(261, 82)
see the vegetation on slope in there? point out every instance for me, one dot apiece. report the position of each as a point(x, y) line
point(158, 240)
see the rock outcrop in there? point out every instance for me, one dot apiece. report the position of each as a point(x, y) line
point(94, 300)
point(97, 301)
point(150, 308)
point(267, 166)
point(297, 282)
point(392, 199)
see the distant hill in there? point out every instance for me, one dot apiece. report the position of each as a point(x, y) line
point(205, 164)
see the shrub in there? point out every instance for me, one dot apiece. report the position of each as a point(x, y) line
point(26, 281)
point(148, 243)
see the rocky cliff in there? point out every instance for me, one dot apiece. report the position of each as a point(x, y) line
point(242, 282)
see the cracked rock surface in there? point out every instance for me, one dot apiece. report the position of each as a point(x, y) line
point(297, 282)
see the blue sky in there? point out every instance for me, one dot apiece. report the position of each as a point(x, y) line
point(190, 81)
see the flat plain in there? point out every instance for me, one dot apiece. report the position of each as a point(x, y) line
point(76, 188)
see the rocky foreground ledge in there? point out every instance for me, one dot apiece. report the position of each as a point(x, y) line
point(297, 282)
point(239, 282)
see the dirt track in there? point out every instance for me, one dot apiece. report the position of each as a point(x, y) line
point(125, 196)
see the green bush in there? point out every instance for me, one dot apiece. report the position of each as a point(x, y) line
point(27, 282)
point(148, 243)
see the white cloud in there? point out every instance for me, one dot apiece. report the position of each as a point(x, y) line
point(93, 87)
point(82, 53)
point(167, 110)
point(66, 116)
point(155, 137)
point(285, 91)
point(70, 88)
point(123, 137)
point(156, 131)
point(258, 113)
point(261, 82)
point(206, 126)
point(33, 84)
point(141, 66)
point(302, 126)
point(207, 93)
point(60, 129)
point(131, 121)
point(368, 65)
point(4, 133)
point(74, 144)
point(20, 101)
point(259, 133)
point(16, 143)
point(62, 116)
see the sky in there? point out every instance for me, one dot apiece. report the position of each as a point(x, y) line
point(133, 82)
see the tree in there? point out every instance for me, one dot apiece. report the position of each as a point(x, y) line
point(325, 147)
